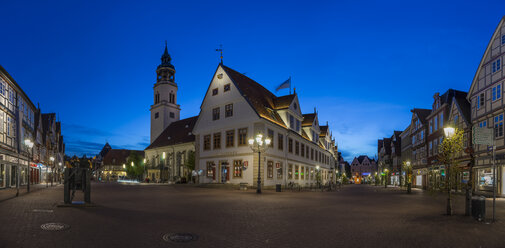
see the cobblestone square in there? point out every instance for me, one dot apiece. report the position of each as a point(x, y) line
point(140, 215)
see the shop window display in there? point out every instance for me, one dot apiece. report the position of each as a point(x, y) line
point(486, 177)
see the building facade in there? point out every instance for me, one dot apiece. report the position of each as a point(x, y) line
point(22, 137)
point(437, 120)
point(363, 169)
point(396, 158)
point(406, 148)
point(487, 111)
point(418, 134)
point(235, 109)
point(114, 164)
point(460, 118)
point(172, 140)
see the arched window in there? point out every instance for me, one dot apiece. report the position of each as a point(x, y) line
point(171, 97)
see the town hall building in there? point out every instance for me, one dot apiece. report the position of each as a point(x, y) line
point(235, 109)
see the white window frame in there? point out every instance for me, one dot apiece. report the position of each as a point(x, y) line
point(496, 92)
point(498, 126)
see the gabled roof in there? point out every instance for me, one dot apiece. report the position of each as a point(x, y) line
point(464, 108)
point(482, 61)
point(308, 119)
point(260, 99)
point(324, 131)
point(387, 145)
point(37, 123)
point(106, 148)
point(10, 78)
point(362, 157)
point(304, 135)
point(177, 132)
point(119, 156)
point(421, 114)
point(283, 102)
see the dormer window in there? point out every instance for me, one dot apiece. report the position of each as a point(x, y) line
point(295, 106)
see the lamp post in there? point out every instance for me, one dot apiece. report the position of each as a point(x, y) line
point(259, 144)
point(449, 133)
point(409, 177)
point(163, 158)
point(386, 178)
point(59, 166)
point(52, 169)
point(29, 144)
point(145, 173)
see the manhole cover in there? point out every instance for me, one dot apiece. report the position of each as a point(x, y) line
point(54, 226)
point(180, 237)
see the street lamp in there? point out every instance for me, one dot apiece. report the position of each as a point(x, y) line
point(52, 169)
point(449, 132)
point(259, 144)
point(409, 177)
point(163, 156)
point(29, 144)
point(386, 178)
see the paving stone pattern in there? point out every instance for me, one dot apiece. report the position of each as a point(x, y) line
point(139, 216)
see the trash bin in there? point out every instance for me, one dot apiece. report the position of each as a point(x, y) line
point(479, 207)
point(278, 187)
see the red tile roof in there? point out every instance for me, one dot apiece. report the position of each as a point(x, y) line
point(308, 119)
point(177, 132)
point(119, 156)
point(283, 102)
point(260, 99)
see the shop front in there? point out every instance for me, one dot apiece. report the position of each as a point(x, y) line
point(34, 173)
point(484, 179)
point(395, 178)
point(420, 178)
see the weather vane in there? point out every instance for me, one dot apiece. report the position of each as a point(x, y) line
point(220, 49)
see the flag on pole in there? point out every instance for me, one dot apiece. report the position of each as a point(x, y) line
point(285, 85)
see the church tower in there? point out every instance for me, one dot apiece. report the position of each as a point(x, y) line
point(165, 109)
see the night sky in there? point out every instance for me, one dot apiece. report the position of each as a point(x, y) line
point(364, 65)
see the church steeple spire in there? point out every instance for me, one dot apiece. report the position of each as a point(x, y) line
point(165, 58)
point(165, 109)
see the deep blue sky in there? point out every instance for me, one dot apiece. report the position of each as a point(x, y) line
point(363, 64)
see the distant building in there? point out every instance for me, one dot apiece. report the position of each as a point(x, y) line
point(114, 164)
point(418, 134)
point(396, 158)
point(363, 169)
point(406, 148)
point(460, 118)
point(436, 121)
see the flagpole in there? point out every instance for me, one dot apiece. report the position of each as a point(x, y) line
point(290, 85)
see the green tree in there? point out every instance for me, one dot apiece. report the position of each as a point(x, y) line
point(134, 166)
point(450, 147)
